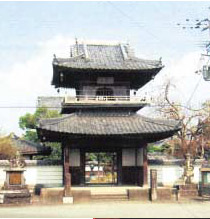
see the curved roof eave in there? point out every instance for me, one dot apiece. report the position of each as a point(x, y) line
point(104, 125)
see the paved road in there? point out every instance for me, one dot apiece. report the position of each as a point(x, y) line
point(111, 210)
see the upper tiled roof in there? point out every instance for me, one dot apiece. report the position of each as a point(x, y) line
point(30, 148)
point(108, 124)
point(103, 57)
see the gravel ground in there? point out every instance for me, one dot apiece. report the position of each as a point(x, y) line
point(110, 210)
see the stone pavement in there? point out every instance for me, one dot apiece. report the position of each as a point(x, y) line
point(127, 209)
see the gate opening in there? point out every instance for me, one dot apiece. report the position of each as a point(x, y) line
point(101, 168)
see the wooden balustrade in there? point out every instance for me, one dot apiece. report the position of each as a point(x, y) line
point(103, 99)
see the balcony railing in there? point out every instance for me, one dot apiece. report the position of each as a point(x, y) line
point(80, 99)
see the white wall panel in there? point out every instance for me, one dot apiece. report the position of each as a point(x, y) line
point(140, 155)
point(74, 157)
point(128, 157)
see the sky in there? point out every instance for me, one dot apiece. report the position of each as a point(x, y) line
point(31, 32)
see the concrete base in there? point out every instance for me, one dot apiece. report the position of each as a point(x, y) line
point(68, 200)
point(188, 191)
point(138, 194)
point(15, 197)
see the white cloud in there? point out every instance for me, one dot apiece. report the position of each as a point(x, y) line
point(26, 81)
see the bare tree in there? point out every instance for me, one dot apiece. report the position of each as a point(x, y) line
point(191, 136)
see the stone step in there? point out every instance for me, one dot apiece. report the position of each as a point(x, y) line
point(109, 200)
point(109, 197)
point(109, 191)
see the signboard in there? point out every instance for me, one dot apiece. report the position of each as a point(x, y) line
point(15, 178)
point(105, 80)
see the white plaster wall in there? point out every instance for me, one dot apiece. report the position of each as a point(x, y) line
point(53, 174)
point(197, 175)
point(49, 175)
point(2, 175)
point(171, 174)
point(39, 175)
point(31, 175)
point(168, 175)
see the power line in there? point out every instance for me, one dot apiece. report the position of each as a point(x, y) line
point(57, 107)
point(194, 90)
point(131, 18)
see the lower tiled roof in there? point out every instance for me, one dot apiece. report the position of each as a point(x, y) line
point(93, 123)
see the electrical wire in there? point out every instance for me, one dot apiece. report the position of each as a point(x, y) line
point(59, 107)
point(195, 89)
point(131, 19)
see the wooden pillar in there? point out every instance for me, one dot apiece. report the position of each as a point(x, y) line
point(82, 167)
point(145, 166)
point(136, 167)
point(67, 175)
point(62, 146)
point(119, 166)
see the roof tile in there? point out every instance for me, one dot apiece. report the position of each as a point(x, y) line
point(107, 124)
point(30, 148)
point(106, 57)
